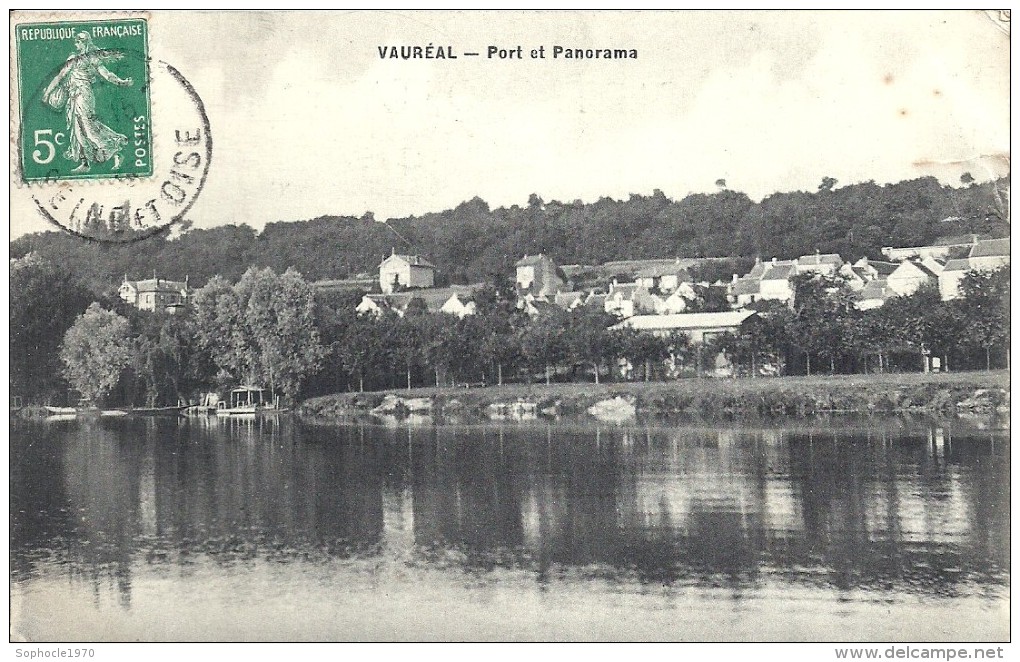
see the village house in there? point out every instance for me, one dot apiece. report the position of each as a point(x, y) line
point(951, 277)
point(775, 281)
point(871, 269)
point(539, 276)
point(909, 276)
point(989, 254)
point(569, 300)
point(662, 277)
point(155, 293)
point(699, 327)
point(942, 249)
point(405, 271)
point(454, 300)
point(984, 255)
point(680, 300)
point(874, 293)
point(744, 291)
point(855, 277)
point(627, 299)
point(826, 264)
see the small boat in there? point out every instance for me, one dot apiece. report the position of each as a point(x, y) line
point(247, 401)
point(158, 411)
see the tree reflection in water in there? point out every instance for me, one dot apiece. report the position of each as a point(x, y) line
point(886, 507)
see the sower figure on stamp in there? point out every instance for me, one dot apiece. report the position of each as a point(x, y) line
point(89, 140)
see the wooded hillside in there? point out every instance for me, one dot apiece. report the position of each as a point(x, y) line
point(470, 241)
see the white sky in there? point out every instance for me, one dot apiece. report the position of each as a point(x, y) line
point(308, 120)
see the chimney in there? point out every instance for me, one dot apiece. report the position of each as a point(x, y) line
point(734, 278)
point(773, 260)
point(974, 239)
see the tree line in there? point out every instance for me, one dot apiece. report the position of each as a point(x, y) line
point(276, 331)
point(471, 241)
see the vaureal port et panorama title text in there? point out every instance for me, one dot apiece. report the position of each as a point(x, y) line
point(434, 52)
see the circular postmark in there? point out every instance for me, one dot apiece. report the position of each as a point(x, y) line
point(120, 183)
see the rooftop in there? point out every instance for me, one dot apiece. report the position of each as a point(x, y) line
point(991, 248)
point(530, 260)
point(433, 297)
point(958, 265)
point(819, 259)
point(413, 260)
point(779, 271)
point(746, 286)
point(687, 321)
point(157, 285)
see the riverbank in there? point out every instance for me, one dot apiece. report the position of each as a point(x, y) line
point(936, 394)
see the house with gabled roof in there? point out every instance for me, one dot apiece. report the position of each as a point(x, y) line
point(626, 299)
point(454, 300)
point(874, 268)
point(984, 255)
point(405, 272)
point(820, 263)
point(155, 293)
point(951, 277)
point(775, 282)
point(539, 276)
point(989, 254)
point(664, 277)
point(745, 291)
point(569, 300)
point(874, 293)
point(909, 276)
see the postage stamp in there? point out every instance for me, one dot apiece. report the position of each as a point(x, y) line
point(85, 106)
point(109, 142)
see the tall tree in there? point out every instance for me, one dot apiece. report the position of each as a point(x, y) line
point(45, 301)
point(261, 330)
point(588, 337)
point(984, 307)
point(96, 351)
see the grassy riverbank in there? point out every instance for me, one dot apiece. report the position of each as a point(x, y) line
point(979, 392)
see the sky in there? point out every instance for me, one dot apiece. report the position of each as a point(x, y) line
point(308, 120)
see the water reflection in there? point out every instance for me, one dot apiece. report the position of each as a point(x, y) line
point(890, 510)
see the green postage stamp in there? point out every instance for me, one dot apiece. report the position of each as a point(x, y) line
point(84, 100)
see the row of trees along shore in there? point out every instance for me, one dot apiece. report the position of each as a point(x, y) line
point(276, 331)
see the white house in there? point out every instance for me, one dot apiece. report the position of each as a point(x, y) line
point(408, 271)
point(154, 293)
point(745, 291)
point(989, 254)
point(870, 269)
point(569, 300)
point(909, 277)
point(699, 327)
point(680, 300)
point(538, 275)
point(820, 263)
point(951, 277)
point(664, 277)
point(985, 255)
point(626, 299)
point(874, 294)
point(775, 282)
point(454, 300)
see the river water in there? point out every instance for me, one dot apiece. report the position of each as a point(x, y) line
point(270, 529)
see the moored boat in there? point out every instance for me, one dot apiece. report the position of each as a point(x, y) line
point(247, 401)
